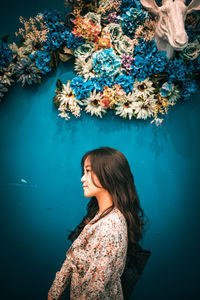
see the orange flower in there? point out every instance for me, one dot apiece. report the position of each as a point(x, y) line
point(104, 42)
point(86, 29)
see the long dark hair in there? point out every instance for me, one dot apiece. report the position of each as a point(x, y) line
point(112, 169)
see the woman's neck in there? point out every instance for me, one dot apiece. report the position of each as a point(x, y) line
point(104, 201)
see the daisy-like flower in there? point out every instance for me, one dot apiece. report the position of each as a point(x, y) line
point(143, 88)
point(26, 72)
point(125, 108)
point(84, 68)
point(144, 108)
point(68, 102)
point(93, 104)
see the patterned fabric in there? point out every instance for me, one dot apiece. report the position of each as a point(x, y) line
point(95, 261)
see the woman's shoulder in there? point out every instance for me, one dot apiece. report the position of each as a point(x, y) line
point(114, 219)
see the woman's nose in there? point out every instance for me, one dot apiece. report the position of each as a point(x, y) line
point(83, 178)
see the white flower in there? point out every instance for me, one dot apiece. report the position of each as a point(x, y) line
point(68, 102)
point(115, 31)
point(124, 45)
point(94, 17)
point(125, 108)
point(144, 108)
point(93, 104)
point(84, 68)
point(143, 88)
point(85, 50)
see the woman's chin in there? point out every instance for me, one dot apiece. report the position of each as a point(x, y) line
point(87, 194)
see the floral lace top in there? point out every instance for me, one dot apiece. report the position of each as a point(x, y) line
point(95, 261)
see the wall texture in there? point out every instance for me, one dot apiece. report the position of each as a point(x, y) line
point(41, 193)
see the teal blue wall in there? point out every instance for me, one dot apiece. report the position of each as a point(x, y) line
point(45, 151)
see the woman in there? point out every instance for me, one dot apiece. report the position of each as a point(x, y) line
point(114, 223)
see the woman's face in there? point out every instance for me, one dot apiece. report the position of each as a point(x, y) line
point(90, 190)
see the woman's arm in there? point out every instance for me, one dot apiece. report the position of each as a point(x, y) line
point(61, 280)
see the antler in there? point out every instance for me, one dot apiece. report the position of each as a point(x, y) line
point(194, 5)
point(151, 6)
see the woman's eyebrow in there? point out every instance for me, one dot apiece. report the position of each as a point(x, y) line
point(87, 166)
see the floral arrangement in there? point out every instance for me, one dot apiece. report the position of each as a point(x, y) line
point(117, 63)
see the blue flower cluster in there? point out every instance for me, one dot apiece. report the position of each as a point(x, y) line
point(131, 19)
point(73, 41)
point(177, 70)
point(42, 60)
point(6, 54)
point(189, 87)
point(106, 62)
point(148, 60)
point(100, 82)
point(59, 34)
point(127, 4)
point(126, 82)
point(81, 87)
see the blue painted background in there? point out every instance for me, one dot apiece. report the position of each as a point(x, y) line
point(44, 150)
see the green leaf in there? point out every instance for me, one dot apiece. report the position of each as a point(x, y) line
point(59, 84)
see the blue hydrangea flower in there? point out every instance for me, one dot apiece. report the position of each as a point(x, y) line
point(81, 87)
point(189, 87)
point(127, 4)
point(58, 34)
point(126, 82)
point(100, 82)
point(42, 60)
point(106, 62)
point(158, 62)
point(73, 41)
point(177, 69)
point(148, 60)
point(52, 19)
point(54, 40)
point(166, 89)
point(6, 54)
point(131, 19)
